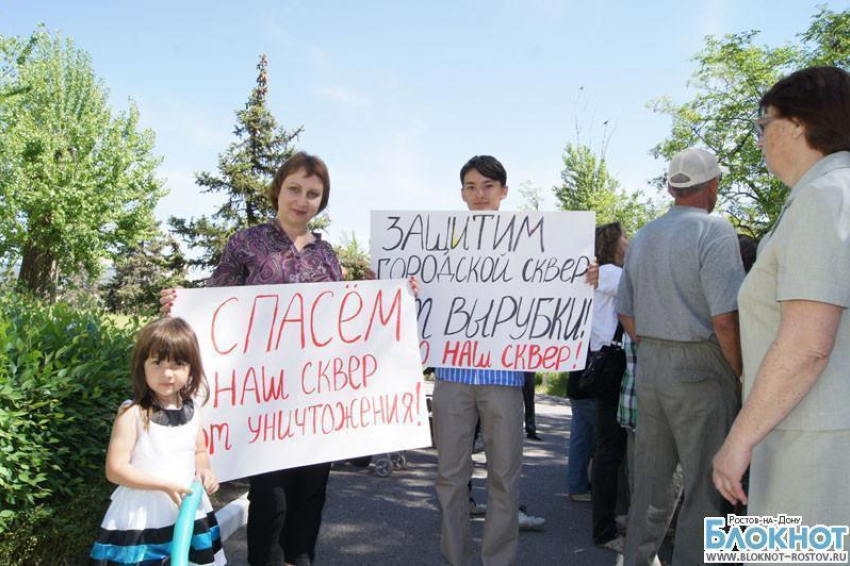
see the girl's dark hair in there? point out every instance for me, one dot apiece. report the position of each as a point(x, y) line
point(607, 242)
point(171, 339)
point(312, 165)
point(819, 97)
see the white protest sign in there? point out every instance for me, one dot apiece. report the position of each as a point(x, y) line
point(499, 290)
point(307, 373)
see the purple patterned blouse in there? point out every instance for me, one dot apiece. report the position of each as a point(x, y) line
point(265, 255)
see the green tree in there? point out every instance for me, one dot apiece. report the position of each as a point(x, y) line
point(141, 272)
point(77, 180)
point(733, 72)
point(13, 54)
point(532, 196)
point(588, 185)
point(244, 173)
point(352, 257)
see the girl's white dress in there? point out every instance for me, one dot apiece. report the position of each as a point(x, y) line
point(139, 525)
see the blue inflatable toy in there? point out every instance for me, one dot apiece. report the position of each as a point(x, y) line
point(184, 527)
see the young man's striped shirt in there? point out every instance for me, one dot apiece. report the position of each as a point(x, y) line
point(470, 376)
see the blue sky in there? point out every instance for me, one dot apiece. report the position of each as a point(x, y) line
point(396, 96)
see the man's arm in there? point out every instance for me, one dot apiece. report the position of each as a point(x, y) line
point(728, 335)
point(628, 323)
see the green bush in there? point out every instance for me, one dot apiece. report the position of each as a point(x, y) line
point(556, 384)
point(59, 533)
point(63, 374)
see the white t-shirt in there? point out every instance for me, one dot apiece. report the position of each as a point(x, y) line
point(605, 306)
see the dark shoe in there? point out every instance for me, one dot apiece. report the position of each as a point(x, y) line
point(622, 521)
point(531, 435)
point(580, 497)
point(616, 544)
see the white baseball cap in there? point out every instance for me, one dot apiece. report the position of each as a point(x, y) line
point(693, 167)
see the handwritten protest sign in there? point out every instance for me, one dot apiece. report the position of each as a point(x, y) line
point(302, 374)
point(499, 290)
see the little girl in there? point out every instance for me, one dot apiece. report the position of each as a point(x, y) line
point(155, 452)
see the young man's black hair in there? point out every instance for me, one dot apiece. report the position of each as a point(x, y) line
point(488, 166)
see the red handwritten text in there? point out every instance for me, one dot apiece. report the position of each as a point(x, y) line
point(248, 389)
point(337, 374)
point(353, 320)
point(533, 357)
point(465, 354)
point(322, 419)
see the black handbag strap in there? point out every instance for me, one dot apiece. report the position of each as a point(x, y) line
point(618, 336)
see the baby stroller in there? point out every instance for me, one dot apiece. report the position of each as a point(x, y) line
point(386, 463)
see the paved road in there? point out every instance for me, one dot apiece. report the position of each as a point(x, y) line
point(396, 520)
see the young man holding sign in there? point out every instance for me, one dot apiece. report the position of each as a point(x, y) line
point(462, 396)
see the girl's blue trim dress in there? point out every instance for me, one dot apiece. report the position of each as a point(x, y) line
point(139, 525)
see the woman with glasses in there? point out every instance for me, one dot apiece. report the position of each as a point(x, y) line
point(794, 427)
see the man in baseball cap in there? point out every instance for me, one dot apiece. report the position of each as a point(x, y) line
point(678, 298)
point(693, 170)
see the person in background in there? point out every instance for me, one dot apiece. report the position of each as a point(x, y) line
point(627, 417)
point(582, 440)
point(678, 298)
point(611, 246)
point(627, 410)
point(529, 383)
point(748, 247)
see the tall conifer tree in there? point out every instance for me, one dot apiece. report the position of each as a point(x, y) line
point(244, 173)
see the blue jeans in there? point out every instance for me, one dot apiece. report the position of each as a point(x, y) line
point(582, 437)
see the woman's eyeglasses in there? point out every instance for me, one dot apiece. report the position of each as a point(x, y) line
point(760, 125)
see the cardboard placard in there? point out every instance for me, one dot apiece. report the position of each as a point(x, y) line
point(499, 290)
point(307, 373)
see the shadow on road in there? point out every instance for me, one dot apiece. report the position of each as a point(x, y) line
point(396, 520)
